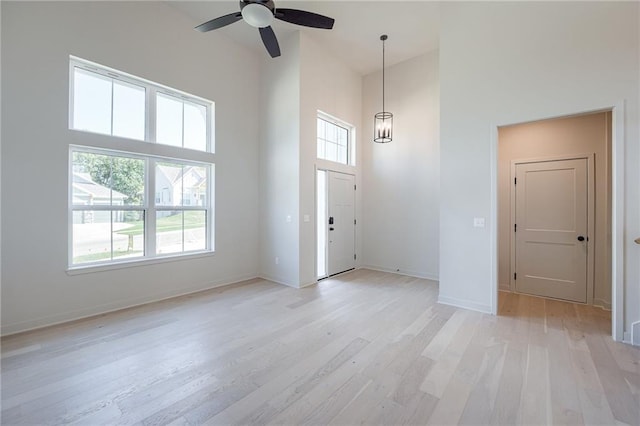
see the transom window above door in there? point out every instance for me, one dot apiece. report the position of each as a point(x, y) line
point(334, 140)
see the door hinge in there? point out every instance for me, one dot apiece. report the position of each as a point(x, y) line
point(354, 256)
point(515, 181)
point(515, 227)
point(354, 221)
point(515, 276)
point(354, 187)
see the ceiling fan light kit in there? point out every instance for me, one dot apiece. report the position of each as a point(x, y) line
point(257, 15)
point(260, 14)
point(383, 121)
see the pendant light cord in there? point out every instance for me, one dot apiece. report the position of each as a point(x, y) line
point(383, 38)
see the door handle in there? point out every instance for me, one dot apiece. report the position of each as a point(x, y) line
point(580, 238)
point(331, 229)
point(637, 240)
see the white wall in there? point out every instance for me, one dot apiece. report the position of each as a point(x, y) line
point(582, 134)
point(401, 178)
point(146, 39)
point(331, 87)
point(305, 79)
point(504, 63)
point(280, 164)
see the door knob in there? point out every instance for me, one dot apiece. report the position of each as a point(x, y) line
point(580, 238)
point(637, 240)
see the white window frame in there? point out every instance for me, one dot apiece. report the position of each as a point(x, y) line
point(149, 151)
point(351, 130)
point(149, 207)
point(151, 91)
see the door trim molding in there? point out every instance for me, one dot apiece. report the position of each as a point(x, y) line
point(327, 169)
point(617, 109)
point(590, 215)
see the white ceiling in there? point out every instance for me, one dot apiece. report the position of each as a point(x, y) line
point(412, 27)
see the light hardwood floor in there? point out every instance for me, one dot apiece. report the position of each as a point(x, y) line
point(365, 348)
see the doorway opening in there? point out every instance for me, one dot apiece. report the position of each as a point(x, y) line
point(335, 223)
point(554, 210)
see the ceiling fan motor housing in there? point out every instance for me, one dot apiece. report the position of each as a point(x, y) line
point(257, 13)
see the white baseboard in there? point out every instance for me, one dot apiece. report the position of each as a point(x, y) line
point(465, 304)
point(414, 274)
point(47, 321)
point(278, 280)
point(601, 303)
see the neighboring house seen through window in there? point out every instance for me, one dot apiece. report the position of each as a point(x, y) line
point(129, 205)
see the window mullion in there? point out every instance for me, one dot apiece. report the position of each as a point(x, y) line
point(150, 216)
point(112, 96)
point(151, 116)
point(209, 206)
point(111, 233)
point(182, 124)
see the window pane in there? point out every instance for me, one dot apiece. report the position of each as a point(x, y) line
point(321, 148)
point(342, 136)
point(91, 236)
point(195, 230)
point(342, 154)
point(332, 135)
point(168, 184)
point(169, 120)
point(195, 186)
point(127, 181)
point(128, 110)
point(107, 180)
point(195, 126)
point(169, 231)
point(91, 179)
point(128, 233)
point(331, 151)
point(91, 102)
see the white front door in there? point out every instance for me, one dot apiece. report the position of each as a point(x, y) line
point(341, 223)
point(551, 225)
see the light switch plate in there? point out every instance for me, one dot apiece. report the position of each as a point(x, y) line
point(306, 218)
point(478, 222)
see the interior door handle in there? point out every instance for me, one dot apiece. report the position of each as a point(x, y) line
point(580, 238)
point(331, 229)
point(637, 240)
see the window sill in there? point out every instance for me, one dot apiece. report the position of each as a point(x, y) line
point(89, 269)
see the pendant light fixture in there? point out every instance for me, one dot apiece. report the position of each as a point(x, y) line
point(383, 121)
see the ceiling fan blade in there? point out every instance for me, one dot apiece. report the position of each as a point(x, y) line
point(270, 41)
point(302, 17)
point(219, 22)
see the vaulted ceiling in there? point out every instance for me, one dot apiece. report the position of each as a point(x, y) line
point(412, 27)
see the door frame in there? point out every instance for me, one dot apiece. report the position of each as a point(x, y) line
point(617, 109)
point(328, 170)
point(590, 215)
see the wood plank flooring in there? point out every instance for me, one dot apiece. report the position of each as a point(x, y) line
point(364, 348)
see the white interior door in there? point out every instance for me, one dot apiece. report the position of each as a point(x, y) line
point(341, 223)
point(551, 229)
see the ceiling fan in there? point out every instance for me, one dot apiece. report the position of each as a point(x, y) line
point(260, 14)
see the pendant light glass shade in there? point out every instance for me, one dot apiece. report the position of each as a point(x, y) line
point(383, 121)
